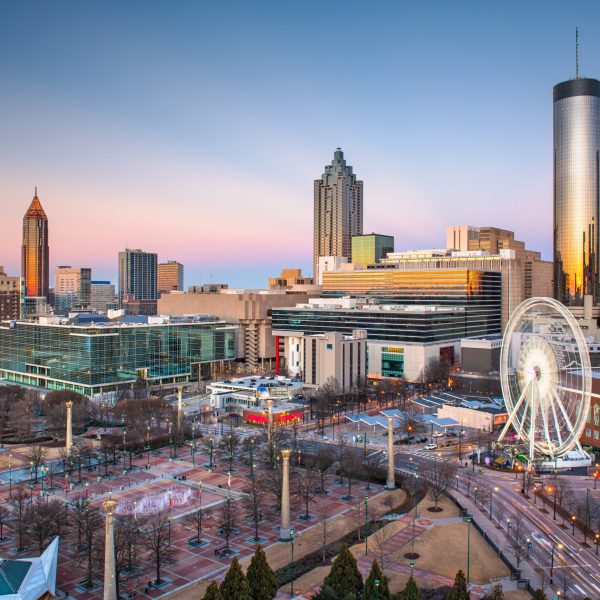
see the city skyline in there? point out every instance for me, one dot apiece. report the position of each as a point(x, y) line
point(142, 154)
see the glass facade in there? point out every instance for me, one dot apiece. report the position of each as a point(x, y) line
point(371, 248)
point(431, 306)
point(91, 359)
point(576, 190)
point(392, 362)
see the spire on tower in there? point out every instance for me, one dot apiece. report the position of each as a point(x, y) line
point(35, 191)
point(576, 53)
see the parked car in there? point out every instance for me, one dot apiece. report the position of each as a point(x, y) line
point(430, 447)
point(438, 434)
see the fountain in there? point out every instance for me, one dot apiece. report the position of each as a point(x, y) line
point(155, 502)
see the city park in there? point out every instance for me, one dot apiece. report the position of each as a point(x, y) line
point(147, 502)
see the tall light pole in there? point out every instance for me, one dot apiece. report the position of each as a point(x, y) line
point(366, 525)
point(469, 518)
point(293, 566)
point(494, 489)
point(554, 546)
point(573, 518)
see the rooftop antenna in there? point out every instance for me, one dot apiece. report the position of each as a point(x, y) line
point(35, 191)
point(576, 53)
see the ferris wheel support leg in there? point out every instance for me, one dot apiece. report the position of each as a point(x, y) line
point(532, 420)
point(544, 411)
point(513, 413)
point(564, 413)
point(558, 434)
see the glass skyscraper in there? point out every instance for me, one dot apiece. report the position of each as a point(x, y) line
point(35, 251)
point(576, 190)
point(137, 275)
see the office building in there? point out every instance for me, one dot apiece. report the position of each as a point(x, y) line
point(331, 356)
point(90, 354)
point(35, 252)
point(10, 296)
point(462, 237)
point(370, 248)
point(401, 338)
point(332, 263)
point(576, 109)
point(138, 289)
point(170, 277)
point(207, 288)
point(248, 309)
point(103, 296)
point(289, 278)
point(72, 288)
point(524, 273)
point(338, 210)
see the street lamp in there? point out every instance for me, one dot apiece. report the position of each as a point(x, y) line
point(292, 534)
point(412, 566)
point(469, 518)
point(509, 525)
point(457, 483)
point(597, 536)
point(494, 489)
point(573, 518)
point(366, 525)
point(528, 547)
point(554, 546)
point(376, 583)
point(10, 476)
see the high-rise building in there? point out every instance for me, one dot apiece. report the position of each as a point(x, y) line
point(370, 248)
point(576, 190)
point(103, 295)
point(137, 276)
point(72, 288)
point(34, 251)
point(170, 277)
point(338, 210)
point(10, 296)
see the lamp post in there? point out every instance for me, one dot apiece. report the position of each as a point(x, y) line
point(554, 546)
point(528, 547)
point(573, 518)
point(10, 476)
point(412, 566)
point(494, 489)
point(376, 583)
point(457, 483)
point(366, 525)
point(469, 518)
point(508, 525)
point(597, 536)
point(293, 566)
point(170, 498)
point(211, 450)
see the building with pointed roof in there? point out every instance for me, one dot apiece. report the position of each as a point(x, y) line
point(30, 578)
point(34, 251)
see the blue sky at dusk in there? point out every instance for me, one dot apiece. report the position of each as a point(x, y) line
point(196, 129)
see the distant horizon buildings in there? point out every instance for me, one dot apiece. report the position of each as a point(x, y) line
point(370, 248)
point(72, 288)
point(576, 125)
point(170, 277)
point(138, 291)
point(35, 253)
point(103, 296)
point(338, 211)
point(10, 296)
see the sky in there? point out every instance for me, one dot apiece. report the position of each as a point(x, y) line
point(196, 129)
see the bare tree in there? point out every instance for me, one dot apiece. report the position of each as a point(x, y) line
point(254, 505)
point(91, 522)
point(381, 537)
point(4, 515)
point(35, 458)
point(42, 522)
point(227, 523)
point(565, 578)
point(18, 503)
point(156, 539)
point(469, 478)
point(500, 511)
point(325, 528)
point(371, 463)
point(518, 538)
point(195, 520)
point(307, 482)
point(128, 541)
point(438, 477)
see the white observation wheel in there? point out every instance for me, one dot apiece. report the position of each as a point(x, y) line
point(546, 377)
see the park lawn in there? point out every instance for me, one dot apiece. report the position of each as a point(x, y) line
point(449, 509)
point(443, 550)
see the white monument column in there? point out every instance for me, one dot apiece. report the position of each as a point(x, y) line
point(391, 477)
point(110, 581)
point(69, 432)
point(179, 407)
point(284, 530)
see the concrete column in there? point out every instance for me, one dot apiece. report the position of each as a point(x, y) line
point(179, 406)
point(391, 477)
point(110, 581)
point(69, 431)
point(284, 530)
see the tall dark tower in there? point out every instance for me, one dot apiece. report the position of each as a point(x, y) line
point(34, 251)
point(576, 190)
point(338, 210)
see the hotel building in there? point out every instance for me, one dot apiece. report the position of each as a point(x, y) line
point(170, 277)
point(35, 251)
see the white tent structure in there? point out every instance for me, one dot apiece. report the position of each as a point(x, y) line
point(29, 578)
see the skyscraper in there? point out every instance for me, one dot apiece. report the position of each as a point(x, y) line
point(72, 288)
point(137, 280)
point(576, 190)
point(35, 251)
point(170, 277)
point(338, 210)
